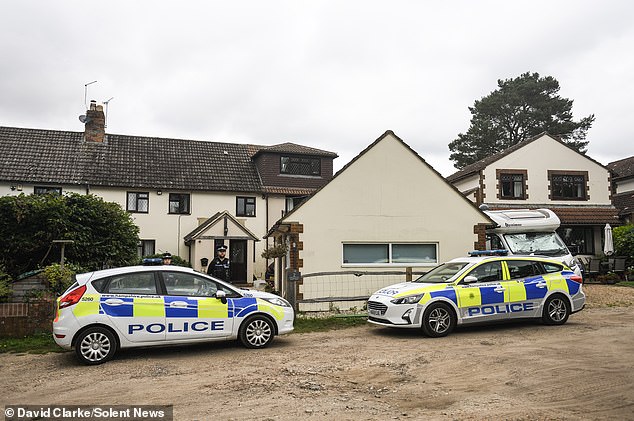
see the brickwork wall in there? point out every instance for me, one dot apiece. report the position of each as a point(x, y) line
point(23, 319)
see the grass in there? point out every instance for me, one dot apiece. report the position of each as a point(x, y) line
point(626, 284)
point(317, 324)
point(40, 343)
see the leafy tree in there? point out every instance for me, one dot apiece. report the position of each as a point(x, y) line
point(519, 109)
point(5, 284)
point(103, 234)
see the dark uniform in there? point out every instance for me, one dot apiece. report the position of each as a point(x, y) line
point(220, 267)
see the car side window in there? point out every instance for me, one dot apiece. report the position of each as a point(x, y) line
point(131, 283)
point(552, 267)
point(190, 285)
point(487, 272)
point(523, 268)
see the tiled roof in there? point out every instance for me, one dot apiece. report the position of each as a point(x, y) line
point(296, 191)
point(296, 149)
point(483, 163)
point(62, 157)
point(577, 215)
point(624, 202)
point(623, 168)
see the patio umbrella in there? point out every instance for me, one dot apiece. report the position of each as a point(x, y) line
point(608, 245)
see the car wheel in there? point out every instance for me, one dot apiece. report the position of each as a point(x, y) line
point(438, 320)
point(556, 310)
point(95, 345)
point(256, 332)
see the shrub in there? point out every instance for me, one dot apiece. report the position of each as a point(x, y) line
point(60, 279)
point(624, 241)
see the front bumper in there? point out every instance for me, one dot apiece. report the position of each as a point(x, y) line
point(382, 312)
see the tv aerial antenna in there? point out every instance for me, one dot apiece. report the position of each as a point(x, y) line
point(105, 124)
point(86, 92)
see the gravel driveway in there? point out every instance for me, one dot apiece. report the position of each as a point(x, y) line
point(521, 371)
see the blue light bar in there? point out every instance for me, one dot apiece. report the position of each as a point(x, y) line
point(498, 252)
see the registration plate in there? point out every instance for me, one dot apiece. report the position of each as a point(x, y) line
point(375, 312)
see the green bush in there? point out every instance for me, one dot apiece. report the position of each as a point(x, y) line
point(60, 279)
point(102, 233)
point(624, 241)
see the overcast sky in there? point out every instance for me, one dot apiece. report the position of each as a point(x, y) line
point(334, 75)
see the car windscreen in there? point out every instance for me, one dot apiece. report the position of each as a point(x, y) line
point(542, 243)
point(442, 273)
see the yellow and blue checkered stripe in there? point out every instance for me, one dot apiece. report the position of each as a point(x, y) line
point(161, 307)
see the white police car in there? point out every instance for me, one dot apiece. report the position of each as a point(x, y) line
point(141, 306)
point(480, 289)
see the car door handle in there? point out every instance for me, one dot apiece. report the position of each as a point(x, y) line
point(541, 285)
point(499, 289)
point(114, 301)
point(178, 304)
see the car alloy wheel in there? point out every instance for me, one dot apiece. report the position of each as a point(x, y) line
point(257, 332)
point(556, 310)
point(95, 346)
point(438, 320)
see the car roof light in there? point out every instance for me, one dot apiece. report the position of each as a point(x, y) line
point(498, 252)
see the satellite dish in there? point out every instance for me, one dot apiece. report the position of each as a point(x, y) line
point(84, 119)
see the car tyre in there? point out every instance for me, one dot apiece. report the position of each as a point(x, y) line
point(556, 310)
point(95, 345)
point(256, 332)
point(438, 320)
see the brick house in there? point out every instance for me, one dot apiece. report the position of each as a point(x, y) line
point(386, 210)
point(170, 186)
point(543, 172)
point(623, 187)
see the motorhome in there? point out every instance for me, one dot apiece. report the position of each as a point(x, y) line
point(529, 232)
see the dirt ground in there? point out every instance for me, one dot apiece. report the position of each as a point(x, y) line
point(583, 370)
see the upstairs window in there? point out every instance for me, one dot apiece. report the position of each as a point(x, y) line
point(138, 202)
point(512, 184)
point(568, 185)
point(300, 165)
point(47, 190)
point(245, 206)
point(179, 203)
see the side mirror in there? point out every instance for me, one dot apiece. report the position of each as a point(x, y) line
point(222, 296)
point(469, 279)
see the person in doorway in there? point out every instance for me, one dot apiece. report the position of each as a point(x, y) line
point(220, 267)
point(167, 258)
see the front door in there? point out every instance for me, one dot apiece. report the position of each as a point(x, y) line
point(238, 260)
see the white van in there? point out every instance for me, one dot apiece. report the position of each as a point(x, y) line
point(529, 232)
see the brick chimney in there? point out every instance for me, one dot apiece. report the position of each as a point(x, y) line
point(95, 123)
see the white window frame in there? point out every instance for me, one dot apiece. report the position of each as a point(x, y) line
point(390, 262)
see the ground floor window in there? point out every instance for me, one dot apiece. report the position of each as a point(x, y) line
point(579, 239)
point(147, 248)
point(390, 253)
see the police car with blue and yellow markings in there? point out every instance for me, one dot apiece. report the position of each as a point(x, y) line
point(142, 306)
point(480, 288)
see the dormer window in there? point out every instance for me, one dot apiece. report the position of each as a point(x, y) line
point(300, 165)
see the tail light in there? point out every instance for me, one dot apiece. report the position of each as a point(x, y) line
point(576, 278)
point(72, 297)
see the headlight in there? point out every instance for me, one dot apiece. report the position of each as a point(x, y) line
point(410, 299)
point(278, 301)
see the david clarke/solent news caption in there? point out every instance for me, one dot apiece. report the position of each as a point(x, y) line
point(89, 412)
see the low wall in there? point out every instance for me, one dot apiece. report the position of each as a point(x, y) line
point(23, 319)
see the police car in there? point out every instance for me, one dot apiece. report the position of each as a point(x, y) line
point(143, 306)
point(480, 288)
